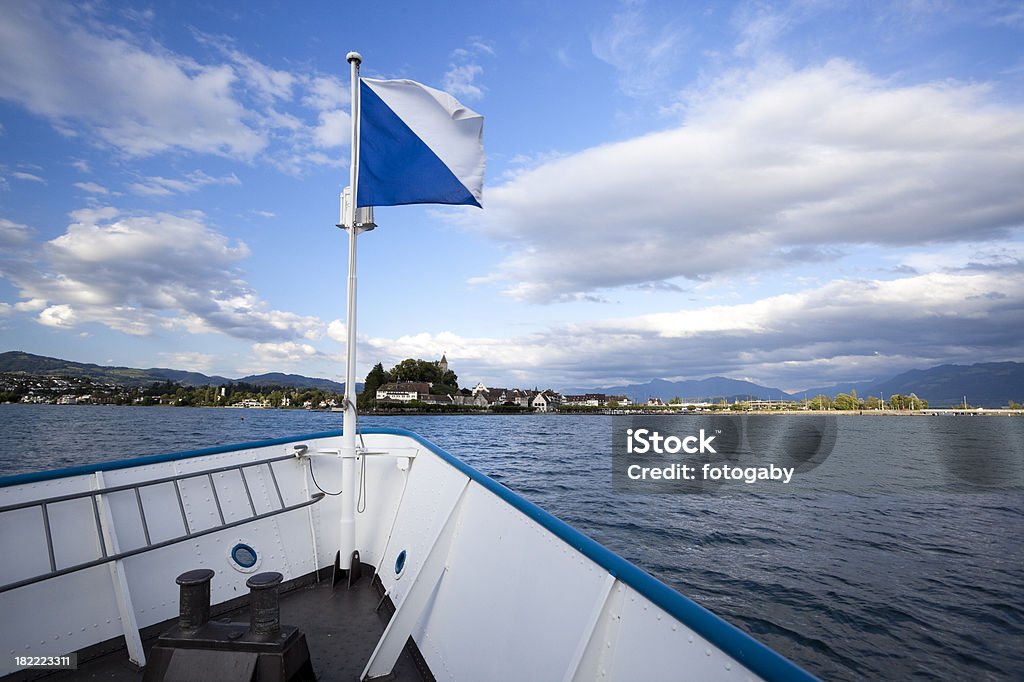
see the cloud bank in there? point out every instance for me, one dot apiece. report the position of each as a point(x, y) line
point(768, 168)
point(123, 91)
point(140, 274)
point(846, 330)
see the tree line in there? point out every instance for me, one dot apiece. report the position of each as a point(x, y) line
point(16, 388)
point(850, 401)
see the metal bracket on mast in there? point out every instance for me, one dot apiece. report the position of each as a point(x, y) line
point(364, 214)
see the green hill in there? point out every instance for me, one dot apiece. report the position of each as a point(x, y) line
point(38, 365)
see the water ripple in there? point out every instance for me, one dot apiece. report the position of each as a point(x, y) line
point(883, 582)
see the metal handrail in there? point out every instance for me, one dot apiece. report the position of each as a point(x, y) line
point(144, 484)
point(150, 546)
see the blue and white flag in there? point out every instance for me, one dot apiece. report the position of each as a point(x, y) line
point(417, 145)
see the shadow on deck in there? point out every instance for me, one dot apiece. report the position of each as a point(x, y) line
point(342, 627)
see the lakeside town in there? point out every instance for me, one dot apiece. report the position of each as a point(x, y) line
point(419, 386)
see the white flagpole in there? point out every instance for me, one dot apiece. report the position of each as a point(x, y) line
point(347, 540)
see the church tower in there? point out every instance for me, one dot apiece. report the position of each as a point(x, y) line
point(443, 364)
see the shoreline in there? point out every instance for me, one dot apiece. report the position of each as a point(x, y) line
point(983, 412)
point(930, 412)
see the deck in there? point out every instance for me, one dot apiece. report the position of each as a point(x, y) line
point(341, 625)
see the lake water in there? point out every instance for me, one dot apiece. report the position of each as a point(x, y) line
point(902, 555)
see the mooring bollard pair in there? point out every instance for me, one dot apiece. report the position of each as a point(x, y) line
point(264, 604)
point(198, 648)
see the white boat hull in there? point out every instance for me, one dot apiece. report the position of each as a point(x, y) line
point(489, 586)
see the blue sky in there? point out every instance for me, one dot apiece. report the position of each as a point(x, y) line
point(791, 193)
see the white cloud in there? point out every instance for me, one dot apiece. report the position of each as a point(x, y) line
point(463, 70)
point(160, 186)
point(644, 50)
point(484, 355)
point(459, 80)
point(281, 356)
point(31, 305)
point(21, 175)
point(562, 55)
point(92, 187)
point(112, 86)
point(337, 331)
point(769, 168)
point(334, 129)
point(284, 350)
point(995, 254)
point(62, 316)
point(138, 101)
point(94, 214)
point(14, 234)
point(192, 361)
point(268, 82)
point(119, 87)
point(242, 314)
point(846, 329)
point(140, 273)
point(325, 93)
point(760, 26)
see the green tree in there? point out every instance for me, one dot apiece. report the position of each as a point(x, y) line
point(374, 380)
point(820, 402)
point(907, 402)
point(415, 370)
point(425, 371)
point(899, 402)
point(450, 379)
point(845, 402)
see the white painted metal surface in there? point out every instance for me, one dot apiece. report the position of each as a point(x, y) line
point(108, 530)
point(73, 611)
point(517, 602)
point(491, 587)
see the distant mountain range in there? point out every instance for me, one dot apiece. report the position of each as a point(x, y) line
point(38, 365)
point(988, 384)
point(708, 389)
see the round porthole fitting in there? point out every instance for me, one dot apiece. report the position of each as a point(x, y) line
point(244, 558)
point(400, 563)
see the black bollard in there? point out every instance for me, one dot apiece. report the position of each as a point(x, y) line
point(194, 598)
point(264, 608)
point(199, 648)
